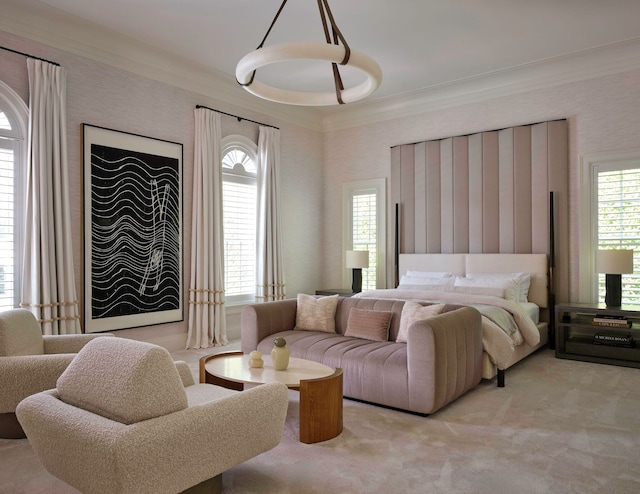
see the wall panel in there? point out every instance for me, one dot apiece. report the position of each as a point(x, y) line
point(490, 187)
point(486, 192)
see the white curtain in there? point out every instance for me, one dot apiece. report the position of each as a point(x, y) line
point(207, 319)
point(270, 267)
point(48, 281)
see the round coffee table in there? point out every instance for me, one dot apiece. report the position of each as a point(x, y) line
point(320, 388)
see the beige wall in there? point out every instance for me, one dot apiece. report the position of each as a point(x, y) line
point(105, 96)
point(603, 115)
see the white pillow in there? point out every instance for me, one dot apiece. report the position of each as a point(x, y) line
point(510, 286)
point(430, 288)
point(523, 280)
point(492, 291)
point(412, 312)
point(316, 314)
point(430, 274)
point(418, 280)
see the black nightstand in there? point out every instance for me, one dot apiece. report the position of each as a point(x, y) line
point(343, 292)
point(576, 332)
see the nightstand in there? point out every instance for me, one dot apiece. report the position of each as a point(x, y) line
point(343, 292)
point(577, 333)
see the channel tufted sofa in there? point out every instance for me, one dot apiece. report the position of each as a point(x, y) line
point(440, 360)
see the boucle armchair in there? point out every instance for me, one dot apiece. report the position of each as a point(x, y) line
point(122, 421)
point(29, 363)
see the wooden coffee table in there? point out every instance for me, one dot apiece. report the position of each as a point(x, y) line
point(320, 388)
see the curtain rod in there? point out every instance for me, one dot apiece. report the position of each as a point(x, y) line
point(240, 119)
point(28, 56)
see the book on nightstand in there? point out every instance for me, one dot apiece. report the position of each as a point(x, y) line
point(614, 339)
point(611, 321)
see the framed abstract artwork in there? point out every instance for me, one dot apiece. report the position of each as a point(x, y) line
point(132, 230)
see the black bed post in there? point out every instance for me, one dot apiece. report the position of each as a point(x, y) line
point(397, 248)
point(552, 262)
point(501, 378)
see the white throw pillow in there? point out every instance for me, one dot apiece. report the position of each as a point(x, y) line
point(510, 286)
point(522, 279)
point(430, 274)
point(412, 312)
point(491, 291)
point(423, 283)
point(316, 314)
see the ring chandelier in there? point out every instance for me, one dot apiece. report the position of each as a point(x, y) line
point(331, 51)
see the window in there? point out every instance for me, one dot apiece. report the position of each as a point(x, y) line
point(618, 219)
point(13, 121)
point(609, 219)
point(239, 199)
point(364, 228)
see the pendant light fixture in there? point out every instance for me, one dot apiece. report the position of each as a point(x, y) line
point(336, 51)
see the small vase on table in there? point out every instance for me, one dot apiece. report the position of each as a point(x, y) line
point(280, 354)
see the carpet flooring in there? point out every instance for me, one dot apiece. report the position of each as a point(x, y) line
point(559, 426)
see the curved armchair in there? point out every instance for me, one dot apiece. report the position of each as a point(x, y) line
point(121, 420)
point(30, 363)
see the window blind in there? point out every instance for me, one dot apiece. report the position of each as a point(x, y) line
point(239, 210)
point(364, 211)
point(619, 224)
point(7, 244)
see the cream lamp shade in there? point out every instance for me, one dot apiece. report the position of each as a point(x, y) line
point(614, 261)
point(357, 259)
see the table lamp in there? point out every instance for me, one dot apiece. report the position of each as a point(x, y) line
point(614, 263)
point(356, 260)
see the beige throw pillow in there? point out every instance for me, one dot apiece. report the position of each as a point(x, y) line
point(368, 324)
point(412, 312)
point(316, 314)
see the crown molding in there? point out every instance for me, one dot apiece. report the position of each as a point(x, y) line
point(55, 28)
point(65, 32)
point(583, 65)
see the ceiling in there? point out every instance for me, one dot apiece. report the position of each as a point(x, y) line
point(421, 45)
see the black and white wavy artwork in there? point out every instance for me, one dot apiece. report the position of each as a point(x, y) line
point(135, 233)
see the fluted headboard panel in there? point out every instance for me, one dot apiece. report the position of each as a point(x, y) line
point(485, 193)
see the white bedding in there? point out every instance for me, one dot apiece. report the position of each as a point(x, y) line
point(533, 310)
point(499, 343)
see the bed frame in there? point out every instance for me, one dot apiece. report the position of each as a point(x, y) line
point(461, 264)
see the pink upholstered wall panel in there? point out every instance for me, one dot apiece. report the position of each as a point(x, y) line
point(486, 192)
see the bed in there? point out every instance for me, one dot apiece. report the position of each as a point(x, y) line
point(514, 325)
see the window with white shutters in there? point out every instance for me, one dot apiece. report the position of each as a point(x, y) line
point(364, 228)
point(239, 198)
point(618, 220)
point(12, 156)
point(365, 232)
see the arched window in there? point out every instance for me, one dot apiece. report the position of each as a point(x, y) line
point(13, 152)
point(239, 199)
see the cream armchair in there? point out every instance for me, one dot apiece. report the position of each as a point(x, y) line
point(29, 363)
point(121, 420)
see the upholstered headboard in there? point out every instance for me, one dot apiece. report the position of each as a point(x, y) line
point(484, 193)
point(537, 265)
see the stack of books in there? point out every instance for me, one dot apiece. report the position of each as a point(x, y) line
point(613, 339)
point(611, 321)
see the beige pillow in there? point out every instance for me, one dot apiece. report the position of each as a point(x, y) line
point(412, 312)
point(368, 324)
point(316, 314)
